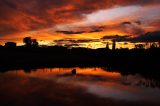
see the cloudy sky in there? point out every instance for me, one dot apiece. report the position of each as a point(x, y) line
point(49, 20)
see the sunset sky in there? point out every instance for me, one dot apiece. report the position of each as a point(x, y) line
point(80, 22)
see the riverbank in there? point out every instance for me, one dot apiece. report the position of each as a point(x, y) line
point(121, 59)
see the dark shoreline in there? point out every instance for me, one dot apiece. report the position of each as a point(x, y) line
point(135, 60)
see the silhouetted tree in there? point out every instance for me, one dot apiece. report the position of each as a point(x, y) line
point(153, 45)
point(30, 42)
point(27, 41)
point(34, 43)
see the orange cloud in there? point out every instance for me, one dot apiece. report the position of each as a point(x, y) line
point(42, 19)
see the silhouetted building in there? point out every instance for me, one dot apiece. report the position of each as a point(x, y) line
point(30, 42)
point(114, 45)
point(107, 45)
point(10, 44)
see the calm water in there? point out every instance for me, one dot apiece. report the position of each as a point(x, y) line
point(95, 81)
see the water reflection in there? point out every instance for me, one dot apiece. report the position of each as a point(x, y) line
point(99, 82)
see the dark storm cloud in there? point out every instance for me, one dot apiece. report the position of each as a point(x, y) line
point(81, 30)
point(116, 37)
point(73, 41)
point(125, 23)
point(96, 29)
point(147, 37)
point(70, 32)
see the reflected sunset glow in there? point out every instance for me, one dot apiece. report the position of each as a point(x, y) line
point(97, 81)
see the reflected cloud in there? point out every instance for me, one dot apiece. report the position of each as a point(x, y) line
point(96, 81)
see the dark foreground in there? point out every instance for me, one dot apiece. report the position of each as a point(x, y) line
point(139, 60)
